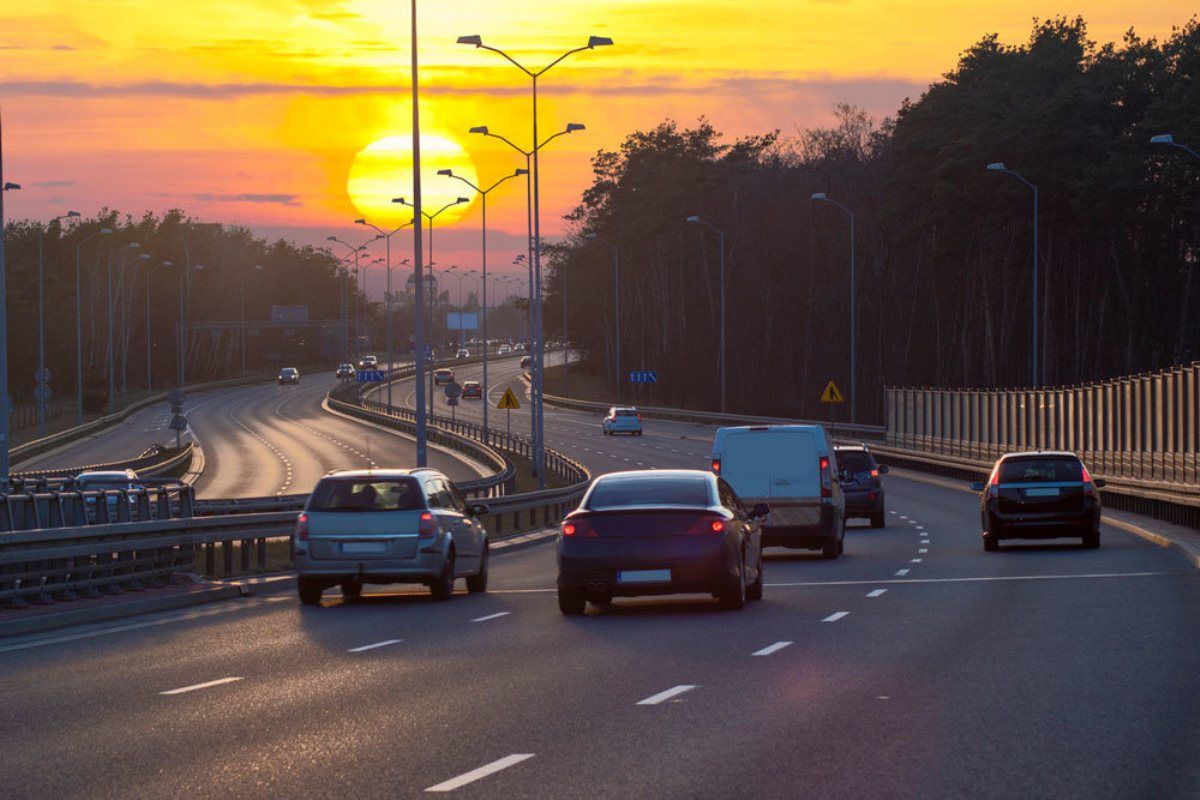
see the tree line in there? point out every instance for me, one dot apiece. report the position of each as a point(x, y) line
point(944, 246)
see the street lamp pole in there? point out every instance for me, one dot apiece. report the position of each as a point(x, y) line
point(999, 167)
point(256, 268)
point(5, 401)
point(387, 238)
point(355, 251)
point(616, 301)
point(42, 385)
point(183, 279)
point(112, 365)
point(483, 194)
point(79, 322)
point(721, 236)
point(821, 197)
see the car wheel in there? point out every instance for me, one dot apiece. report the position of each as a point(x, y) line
point(310, 591)
point(878, 520)
point(1092, 540)
point(351, 589)
point(733, 597)
point(571, 602)
point(478, 581)
point(831, 549)
point(990, 543)
point(755, 590)
point(442, 587)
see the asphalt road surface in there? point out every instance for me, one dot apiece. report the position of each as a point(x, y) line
point(914, 666)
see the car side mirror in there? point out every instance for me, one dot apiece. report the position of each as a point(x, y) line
point(977, 486)
point(479, 509)
point(1099, 483)
point(760, 510)
point(883, 469)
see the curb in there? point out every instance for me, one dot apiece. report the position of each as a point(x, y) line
point(132, 608)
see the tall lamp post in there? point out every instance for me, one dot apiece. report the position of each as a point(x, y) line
point(245, 272)
point(5, 401)
point(184, 282)
point(112, 364)
point(483, 194)
point(79, 322)
point(387, 295)
point(721, 356)
point(821, 197)
point(591, 237)
point(149, 330)
point(355, 251)
point(999, 167)
point(43, 388)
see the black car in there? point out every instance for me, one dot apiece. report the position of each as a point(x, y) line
point(1039, 495)
point(861, 485)
point(525, 362)
point(655, 532)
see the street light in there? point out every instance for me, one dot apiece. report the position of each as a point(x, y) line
point(184, 276)
point(997, 166)
point(821, 197)
point(695, 220)
point(256, 268)
point(5, 404)
point(538, 359)
point(387, 238)
point(149, 330)
point(43, 387)
point(591, 237)
point(355, 251)
point(1168, 139)
point(483, 194)
point(112, 364)
point(79, 322)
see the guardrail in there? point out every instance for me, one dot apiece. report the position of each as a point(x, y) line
point(156, 461)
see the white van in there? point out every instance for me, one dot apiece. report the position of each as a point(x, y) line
point(793, 469)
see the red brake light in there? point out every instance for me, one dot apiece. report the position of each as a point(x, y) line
point(1089, 488)
point(718, 526)
point(639, 417)
point(707, 524)
point(826, 479)
point(302, 527)
point(1086, 477)
point(995, 478)
point(427, 527)
point(717, 466)
point(874, 473)
point(577, 527)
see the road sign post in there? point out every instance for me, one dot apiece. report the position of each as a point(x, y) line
point(832, 396)
point(507, 403)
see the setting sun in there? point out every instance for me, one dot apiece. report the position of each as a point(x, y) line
point(383, 170)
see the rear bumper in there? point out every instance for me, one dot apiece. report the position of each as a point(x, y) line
point(1043, 526)
point(421, 569)
point(813, 536)
point(600, 575)
point(859, 503)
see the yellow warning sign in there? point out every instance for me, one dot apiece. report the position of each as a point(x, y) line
point(508, 401)
point(832, 394)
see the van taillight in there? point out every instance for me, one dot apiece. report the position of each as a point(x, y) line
point(427, 526)
point(826, 478)
point(716, 466)
point(302, 527)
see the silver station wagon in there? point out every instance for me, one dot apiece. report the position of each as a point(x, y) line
point(389, 526)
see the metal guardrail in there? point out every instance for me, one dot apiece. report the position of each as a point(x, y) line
point(155, 461)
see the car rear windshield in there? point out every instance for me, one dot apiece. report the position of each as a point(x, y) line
point(1041, 470)
point(626, 412)
point(855, 460)
point(359, 494)
point(650, 490)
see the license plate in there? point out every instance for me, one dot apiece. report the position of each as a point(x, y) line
point(1042, 492)
point(364, 548)
point(644, 576)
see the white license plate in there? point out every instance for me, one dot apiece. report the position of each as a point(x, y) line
point(644, 576)
point(364, 548)
point(1042, 492)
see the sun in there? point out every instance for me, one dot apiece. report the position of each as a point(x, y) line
point(383, 170)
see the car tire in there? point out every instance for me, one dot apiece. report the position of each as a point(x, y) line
point(1092, 540)
point(878, 520)
point(755, 590)
point(831, 549)
point(351, 589)
point(733, 596)
point(309, 591)
point(478, 582)
point(442, 587)
point(990, 543)
point(571, 602)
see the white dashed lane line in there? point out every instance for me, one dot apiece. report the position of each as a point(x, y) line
point(876, 592)
point(481, 772)
point(835, 616)
point(769, 649)
point(662, 697)
point(197, 686)
point(914, 561)
point(492, 616)
point(367, 647)
point(901, 573)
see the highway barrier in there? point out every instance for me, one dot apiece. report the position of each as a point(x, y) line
point(156, 461)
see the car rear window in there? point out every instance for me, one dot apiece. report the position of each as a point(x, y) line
point(1041, 470)
point(357, 494)
point(651, 490)
point(855, 460)
point(626, 412)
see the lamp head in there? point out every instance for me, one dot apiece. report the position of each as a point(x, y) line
point(575, 126)
point(479, 129)
point(360, 222)
point(331, 238)
point(400, 200)
point(819, 196)
point(521, 171)
point(693, 218)
point(445, 172)
point(996, 166)
point(8, 187)
point(1162, 138)
point(599, 41)
point(474, 39)
point(461, 200)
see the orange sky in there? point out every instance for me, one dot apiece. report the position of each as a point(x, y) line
point(253, 111)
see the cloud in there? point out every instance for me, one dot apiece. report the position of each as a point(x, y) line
point(269, 199)
point(41, 184)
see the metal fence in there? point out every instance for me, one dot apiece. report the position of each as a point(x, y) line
point(1142, 427)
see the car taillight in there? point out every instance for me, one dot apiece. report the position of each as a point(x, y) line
point(302, 528)
point(639, 417)
point(826, 478)
point(1089, 488)
point(577, 528)
point(874, 473)
point(994, 484)
point(707, 525)
point(716, 466)
point(427, 526)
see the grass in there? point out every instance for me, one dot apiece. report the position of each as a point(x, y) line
point(581, 385)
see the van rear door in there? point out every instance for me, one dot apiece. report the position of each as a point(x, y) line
point(767, 463)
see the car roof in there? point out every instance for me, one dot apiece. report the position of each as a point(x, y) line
point(1039, 453)
point(657, 473)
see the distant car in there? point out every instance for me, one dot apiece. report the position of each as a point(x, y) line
point(463, 353)
point(442, 376)
point(655, 532)
point(389, 526)
point(345, 370)
point(1039, 495)
point(526, 362)
point(861, 485)
point(107, 481)
point(288, 375)
point(505, 350)
point(368, 362)
point(472, 390)
point(622, 419)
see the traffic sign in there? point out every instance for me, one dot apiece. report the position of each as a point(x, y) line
point(453, 390)
point(508, 402)
point(179, 423)
point(371, 376)
point(832, 394)
point(643, 376)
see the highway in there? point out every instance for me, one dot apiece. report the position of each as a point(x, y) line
point(915, 665)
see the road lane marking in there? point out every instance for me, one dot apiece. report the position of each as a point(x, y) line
point(903, 517)
point(196, 686)
point(481, 772)
point(367, 647)
point(986, 579)
point(876, 592)
point(774, 648)
point(901, 572)
point(891, 512)
point(920, 527)
point(835, 616)
point(914, 561)
point(674, 691)
point(923, 550)
point(492, 616)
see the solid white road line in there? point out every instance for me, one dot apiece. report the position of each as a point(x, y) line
point(775, 648)
point(876, 592)
point(835, 616)
point(492, 616)
point(988, 579)
point(196, 686)
point(901, 572)
point(481, 772)
point(655, 699)
point(367, 647)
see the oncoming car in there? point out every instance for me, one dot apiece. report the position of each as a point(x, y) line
point(107, 481)
point(1039, 495)
point(442, 376)
point(463, 353)
point(288, 375)
point(389, 526)
point(345, 370)
point(526, 362)
point(472, 390)
point(622, 419)
point(368, 362)
point(504, 350)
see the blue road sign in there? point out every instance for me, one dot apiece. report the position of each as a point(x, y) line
point(371, 376)
point(643, 376)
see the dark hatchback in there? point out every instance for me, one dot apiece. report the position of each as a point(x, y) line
point(1039, 495)
point(657, 532)
point(861, 485)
